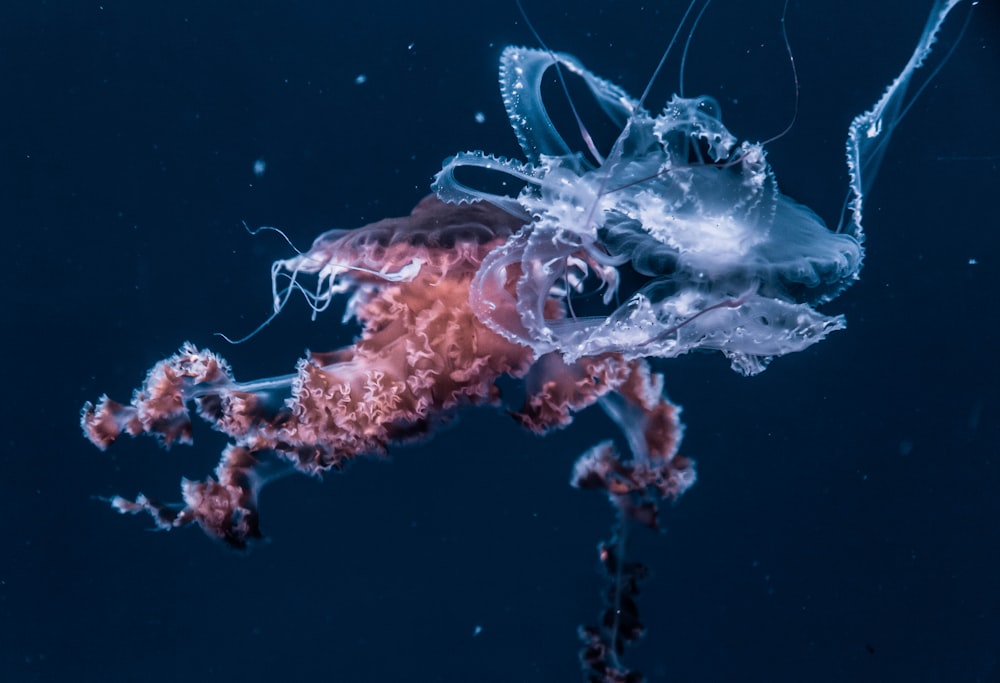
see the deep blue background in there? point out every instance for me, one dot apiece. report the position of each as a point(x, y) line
point(845, 525)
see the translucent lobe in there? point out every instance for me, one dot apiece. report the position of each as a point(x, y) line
point(727, 261)
point(421, 245)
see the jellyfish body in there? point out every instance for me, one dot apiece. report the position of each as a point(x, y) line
point(696, 214)
point(718, 258)
point(422, 354)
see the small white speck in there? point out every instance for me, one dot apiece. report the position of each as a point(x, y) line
point(477, 630)
point(480, 117)
point(973, 262)
point(360, 79)
point(259, 167)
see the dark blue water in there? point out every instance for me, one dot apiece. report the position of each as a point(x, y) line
point(845, 524)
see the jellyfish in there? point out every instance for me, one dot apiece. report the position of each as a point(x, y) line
point(720, 259)
point(676, 239)
point(422, 355)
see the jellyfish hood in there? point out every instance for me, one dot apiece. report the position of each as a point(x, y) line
point(681, 227)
